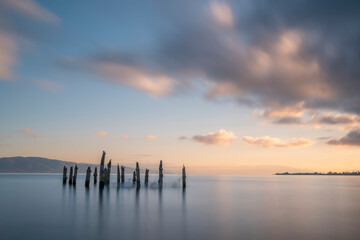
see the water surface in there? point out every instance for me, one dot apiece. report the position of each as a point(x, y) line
point(39, 206)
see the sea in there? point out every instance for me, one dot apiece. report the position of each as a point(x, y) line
point(39, 206)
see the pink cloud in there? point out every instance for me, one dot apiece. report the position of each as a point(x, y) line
point(151, 137)
point(267, 141)
point(220, 138)
point(101, 133)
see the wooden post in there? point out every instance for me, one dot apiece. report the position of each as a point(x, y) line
point(118, 174)
point(161, 175)
point(183, 177)
point(134, 177)
point(87, 179)
point(71, 175)
point(95, 175)
point(75, 175)
point(122, 174)
point(137, 174)
point(102, 166)
point(108, 172)
point(146, 176)
point(64, 175)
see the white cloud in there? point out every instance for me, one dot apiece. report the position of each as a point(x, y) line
point(267, 141)
point(222, 13)
point(151, 137)
point(220, 138)
point(141, 79)
point(101, 133)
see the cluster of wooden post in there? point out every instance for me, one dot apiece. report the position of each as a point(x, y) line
point(105, 174)
point(72, 178)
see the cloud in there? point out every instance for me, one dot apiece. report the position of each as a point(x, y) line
point(8, 49)
point(294, 111)
point(151, 137)
point(29, 133)
point(48, 85)
point(220, 138)
point(348, 120)
point(351, 139)
point(222, 13)
point(125, 137)
point(275, 55)
point(101, 133)
point(32, 9)
point(318, 120)
point(267, 141)
point(182, 138)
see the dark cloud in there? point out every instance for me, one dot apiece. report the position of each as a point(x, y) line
point(351, 139)
point(270, 54)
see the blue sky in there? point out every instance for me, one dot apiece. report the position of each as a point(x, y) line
point(218, 85)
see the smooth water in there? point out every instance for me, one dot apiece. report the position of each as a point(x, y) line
point(39, 206)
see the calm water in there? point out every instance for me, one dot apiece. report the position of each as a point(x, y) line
point(38, 206)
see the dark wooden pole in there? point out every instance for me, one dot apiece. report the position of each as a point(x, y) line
point(87, 179)
point(64, 175)
point(118, 174)
point(71, 175)
point(161, 175)
point(95, 175)
point(183, 177)
point(122, 174)
point(137, 174)
point(146, 176)
point(102, 166)
point(108, 172)
point(134, 177)
point(75, 175)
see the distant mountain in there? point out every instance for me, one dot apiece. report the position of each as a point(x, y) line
point(42, 165)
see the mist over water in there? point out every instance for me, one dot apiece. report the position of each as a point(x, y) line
point(39, 206)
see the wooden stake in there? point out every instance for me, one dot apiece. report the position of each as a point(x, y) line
point(71, 175)
point(134, 177)
point(118, 174)
point(161, 175)
point(146, 176)
point(87, 179)
point(75, 175)
point(64, 175)
point(122, 174)
point(95, 175)
point(137, 174)
point(183, 177)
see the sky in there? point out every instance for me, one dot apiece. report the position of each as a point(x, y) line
point(224, 87)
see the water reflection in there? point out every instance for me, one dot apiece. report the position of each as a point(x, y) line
point(209, 208)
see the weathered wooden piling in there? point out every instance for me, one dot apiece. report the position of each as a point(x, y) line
point(87, 179)
point(137, 174)
point(134, 177)
point(146, 176)
point(64, 175)
point(95, 175)
point(101, 174)
point(183, 177)
point(161, 175)
point(71, 175)
point(118, 174)
point(75, 175)
point(122, 174)
point(108, 173)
